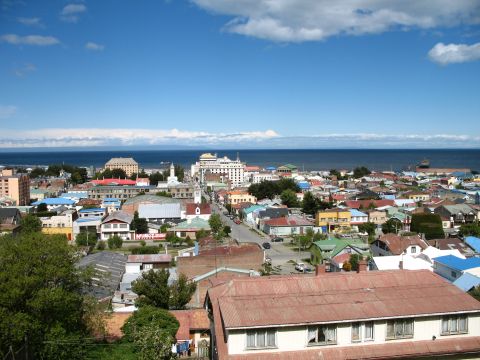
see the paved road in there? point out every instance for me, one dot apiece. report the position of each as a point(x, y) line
point(279, 253)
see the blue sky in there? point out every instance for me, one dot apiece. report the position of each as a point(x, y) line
point(298, 73)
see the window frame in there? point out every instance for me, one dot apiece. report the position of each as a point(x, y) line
point(453, 318)
point(403, 322)
point(261, 332)
point(362, 331)
point(326, 342)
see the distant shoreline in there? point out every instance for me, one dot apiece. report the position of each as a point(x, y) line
point(304, 159)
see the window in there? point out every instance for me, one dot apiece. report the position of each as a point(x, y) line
point(454, 325)
point(356, 329)
point(365, 328)
point(368, 331)
point(322, 335)
point(399, 329)
point(261, 338)
point(454, 274)
point(414, 249)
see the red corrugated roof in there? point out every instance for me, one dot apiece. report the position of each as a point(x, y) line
point(114, 182)
point(289, 221)
point(204, 209)
point(356, 204)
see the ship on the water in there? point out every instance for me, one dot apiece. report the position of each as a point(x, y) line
point(424, 164)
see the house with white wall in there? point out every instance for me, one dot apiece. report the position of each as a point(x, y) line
point(343, 315)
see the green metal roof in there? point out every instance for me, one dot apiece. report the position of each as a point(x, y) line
point(195, 223)
point(336, 245)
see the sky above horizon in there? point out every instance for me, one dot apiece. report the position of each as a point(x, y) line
point(240, 73)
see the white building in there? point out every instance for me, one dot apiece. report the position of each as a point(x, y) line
point(343, 315)
point(208, 163)
point(117, 223)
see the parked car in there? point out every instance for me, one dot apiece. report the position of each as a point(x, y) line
point(266, 245)
point(300, 267)
point(277, 239)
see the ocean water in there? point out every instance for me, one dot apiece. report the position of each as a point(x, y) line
point(381, 159)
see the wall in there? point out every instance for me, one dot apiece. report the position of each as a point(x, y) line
point(295, 338)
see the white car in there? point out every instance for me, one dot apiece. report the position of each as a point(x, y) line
point(300, 267)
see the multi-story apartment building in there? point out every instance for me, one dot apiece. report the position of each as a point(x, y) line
point(333, 219)
point(15, 187)
point(401, 314)
point(211, 164)
point(128, 165)
point(119, 192)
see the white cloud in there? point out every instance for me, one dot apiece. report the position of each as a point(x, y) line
point(24, 70)
point(94, 46)
point(7, 111)
point(247, 139)
point(71, 12)
point(312, 20)
point(37, 40)
point(35, 21)
point(454, 53)
point(98, 137)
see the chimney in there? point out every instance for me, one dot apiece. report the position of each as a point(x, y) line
point(362, 265)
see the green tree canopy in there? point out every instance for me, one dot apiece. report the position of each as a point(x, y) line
point(392, 226)
point(289, 198)
point(86, 238)
point(148, 316)
point(31, 224)
point(469, 230)
point(361, 171)
point(216, 225)
point(367, 227)
point(114, 242)
point(428, 224)
point(153, 290)
point(40, 297)
point(140, 225)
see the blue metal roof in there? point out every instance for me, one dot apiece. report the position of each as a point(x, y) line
point(270, 168)
point(303, 185)
point(355, 212)
point(88, 219)
point(91, 210)
point(456, 263)
point(467, 281)
point(54, 201)
point(473, 242)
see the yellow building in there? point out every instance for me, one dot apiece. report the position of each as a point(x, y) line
point(67, 231)
point(418, 196)
point(238, 197)
point(128, 165)
point(333, 220)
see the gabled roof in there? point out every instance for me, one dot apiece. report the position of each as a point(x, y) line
point(151, 258)
point(334, 245)
point(120, 216)
point(467, 281)
point(397, 244)
point(159, 211)
point(473, 242)
point(193, 224)
point(205, 209)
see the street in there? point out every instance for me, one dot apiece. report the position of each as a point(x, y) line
point(279, 253)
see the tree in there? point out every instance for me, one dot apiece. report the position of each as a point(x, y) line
point(359, 172)
point(154, 343)
point(229, 208)
point(309, 204)
point(392, 226)
point(304, 241)
point(367, 227)
point(152, 289)
point(347, 266)
point(149, 316)
point(31, 224)
point(227, 230)
point(163, 228)
point(201, 234)
point(428, 224)
point(140, 225)
point(354, 260)
point(115, 242)
point(289, 198)
point(216, 224)
point(469, 230)
point(42, 207)
point(268, 269)
point(181, 292)
point(101, 246)
point(86, 238)
point(40, 296)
